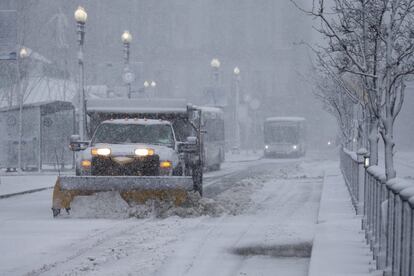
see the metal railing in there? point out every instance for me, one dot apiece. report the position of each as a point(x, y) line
point(387, 208)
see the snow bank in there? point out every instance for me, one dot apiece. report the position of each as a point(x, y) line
point(100, 205)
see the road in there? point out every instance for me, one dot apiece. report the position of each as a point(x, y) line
point(257, 218)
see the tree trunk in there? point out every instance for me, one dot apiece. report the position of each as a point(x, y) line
point(373, 142)
point(389, 156)
point(388, 128)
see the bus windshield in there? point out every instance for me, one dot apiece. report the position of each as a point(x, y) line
point(281, 134)
point(157, 134)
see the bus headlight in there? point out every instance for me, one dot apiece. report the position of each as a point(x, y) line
point(144, 152)
point(101, 151)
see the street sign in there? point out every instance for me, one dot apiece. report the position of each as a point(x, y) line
point(8, 34)
point(128, 77)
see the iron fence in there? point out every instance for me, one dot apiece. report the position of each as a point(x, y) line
point(387, 209)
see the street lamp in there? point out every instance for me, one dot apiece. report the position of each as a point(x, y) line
point(126, 37)
point(128, 76)
point(236, 72)
point(215, 64)
point(366, 161)
point(80, 17)
point(23, 53)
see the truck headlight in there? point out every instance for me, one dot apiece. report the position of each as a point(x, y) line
point(144, 152)
point(101, 151)
point(165, 164)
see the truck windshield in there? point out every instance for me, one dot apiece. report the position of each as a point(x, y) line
point(157, 134)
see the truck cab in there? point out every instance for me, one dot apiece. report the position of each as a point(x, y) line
point(131, 147)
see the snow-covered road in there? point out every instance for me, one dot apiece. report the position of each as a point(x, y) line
point(258, 219)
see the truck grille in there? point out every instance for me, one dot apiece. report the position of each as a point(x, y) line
point(140, 166)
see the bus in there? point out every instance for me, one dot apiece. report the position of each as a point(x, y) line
point(284, 136)
point(212, 121)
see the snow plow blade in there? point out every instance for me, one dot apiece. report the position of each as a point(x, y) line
point(133, 189)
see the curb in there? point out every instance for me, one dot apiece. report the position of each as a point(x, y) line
point(25, 192)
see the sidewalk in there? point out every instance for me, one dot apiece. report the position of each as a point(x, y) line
point(339, 246)
point(18, 184)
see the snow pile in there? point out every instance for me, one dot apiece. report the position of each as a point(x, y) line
point(231, 197)
point(194, 206)
point(100, 205)
point(232, 201)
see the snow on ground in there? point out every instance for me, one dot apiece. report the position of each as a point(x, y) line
point(261, 208)
point(339, 246)
point(16, 184)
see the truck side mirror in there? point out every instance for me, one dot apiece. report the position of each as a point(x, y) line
point(189, 146)
point(76, 144)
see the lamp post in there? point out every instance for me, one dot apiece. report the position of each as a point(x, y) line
point(236, 73)
point(81, 17)
point(215, 65)
point(22, 55)
point(128, 76)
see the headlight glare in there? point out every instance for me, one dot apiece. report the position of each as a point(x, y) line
point(101, 151)
point(144, 152)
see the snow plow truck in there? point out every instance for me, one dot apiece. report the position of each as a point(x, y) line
point(142, 148)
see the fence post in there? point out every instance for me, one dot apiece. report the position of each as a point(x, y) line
point(361, 153)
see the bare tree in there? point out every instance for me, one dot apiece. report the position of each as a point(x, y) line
point(336, 103)
point(372, 40)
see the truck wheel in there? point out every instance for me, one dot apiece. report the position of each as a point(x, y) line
point(55, 212)
point(178, 171)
